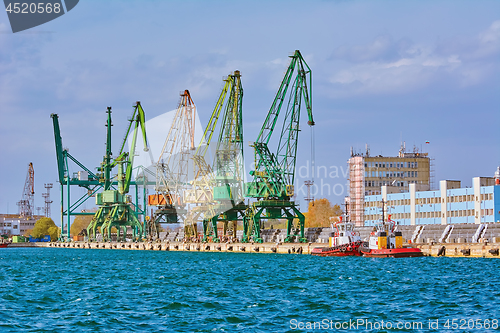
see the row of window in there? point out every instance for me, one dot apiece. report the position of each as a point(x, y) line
point(412, 165)
point(430, 215)
point(434, 200)
point(470, 197)
point(377, 183)
point(391, 174)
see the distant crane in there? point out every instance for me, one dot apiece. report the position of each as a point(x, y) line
point(172, 168)
point(274, 174)
point(114, 205)
point(27, 203)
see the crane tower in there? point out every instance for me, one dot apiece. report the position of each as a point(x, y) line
point(172, 168)
point(274, 174)
point(27, 203)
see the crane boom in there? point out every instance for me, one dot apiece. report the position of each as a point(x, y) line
point(274, 174)
point(61, 167)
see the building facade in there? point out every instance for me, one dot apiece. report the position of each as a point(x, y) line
point(15, 225)
point(368, 174)
point(450, 204)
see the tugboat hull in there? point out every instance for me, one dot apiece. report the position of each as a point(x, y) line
point(337, 251)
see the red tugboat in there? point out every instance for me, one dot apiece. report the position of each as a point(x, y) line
point(385, 242)
point(345, 242)
point(3, 243)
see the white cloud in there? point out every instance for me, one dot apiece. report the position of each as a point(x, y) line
point(384, 66)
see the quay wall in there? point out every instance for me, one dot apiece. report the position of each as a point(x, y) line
point(478, 250)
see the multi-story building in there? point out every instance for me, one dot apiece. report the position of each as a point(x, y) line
point(368, 174)
point(13, 224)
point(450, 204)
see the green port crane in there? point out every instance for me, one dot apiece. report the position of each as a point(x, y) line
point(274, 174)
point(84, 179)
point(228, 192)
point(114, 204)
point(214, 187)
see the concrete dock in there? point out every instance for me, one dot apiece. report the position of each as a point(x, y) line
point(476, 250)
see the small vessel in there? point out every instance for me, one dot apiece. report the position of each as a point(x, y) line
point(385, 241)
point(345, 242)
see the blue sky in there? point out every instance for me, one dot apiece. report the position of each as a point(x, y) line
point(382, 71)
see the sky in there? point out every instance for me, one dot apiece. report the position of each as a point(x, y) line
point(383, 72)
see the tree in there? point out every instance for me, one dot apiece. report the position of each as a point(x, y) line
point(45, 226)
point(81, 222)
point(319, 213)
point(54, 233)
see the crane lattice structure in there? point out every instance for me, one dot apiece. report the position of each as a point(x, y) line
point(47, 201)
point(114, 204)
point(274, 174)
point(228, 191)
point(172, 168)
point(204, 206)
point(27, 203)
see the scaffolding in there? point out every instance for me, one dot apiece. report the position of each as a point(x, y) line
point(432, 177)
point(357, 190)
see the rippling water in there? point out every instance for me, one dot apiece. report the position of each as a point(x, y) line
point(44, 289)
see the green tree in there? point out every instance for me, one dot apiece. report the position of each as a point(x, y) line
point(81, 222)
point(54, 233)
point(45, 226)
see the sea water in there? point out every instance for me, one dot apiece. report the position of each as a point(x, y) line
point(56, 290)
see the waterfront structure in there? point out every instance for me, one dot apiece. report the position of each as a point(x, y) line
point(449, 204)
point(368, 174)
point(14, 224)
